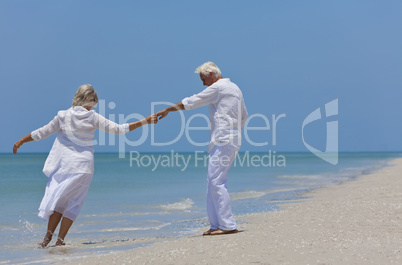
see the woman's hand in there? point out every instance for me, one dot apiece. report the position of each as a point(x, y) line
point(16, 146)
point(23, 140)
point(153, 119)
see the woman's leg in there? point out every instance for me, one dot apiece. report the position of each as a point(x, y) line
point(64, 227)
point(54, 220)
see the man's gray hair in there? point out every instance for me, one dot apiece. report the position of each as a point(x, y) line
point(85, 95)
point(208, 67)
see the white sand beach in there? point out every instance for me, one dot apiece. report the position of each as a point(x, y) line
point(357, 222)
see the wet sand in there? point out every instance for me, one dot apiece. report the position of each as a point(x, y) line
point(357, 222)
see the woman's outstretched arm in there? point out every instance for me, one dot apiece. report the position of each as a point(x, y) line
point(52, 127)
point(22, 141)
point(153, 119)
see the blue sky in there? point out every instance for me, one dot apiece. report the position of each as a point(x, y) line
point(288, 57)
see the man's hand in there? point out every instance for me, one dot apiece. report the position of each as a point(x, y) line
point(162, 114)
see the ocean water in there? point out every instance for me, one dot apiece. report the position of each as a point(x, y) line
point(148, 197)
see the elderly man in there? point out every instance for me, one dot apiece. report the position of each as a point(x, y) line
point(227, 114)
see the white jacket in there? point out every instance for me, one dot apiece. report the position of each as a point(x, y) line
point(227, 111)
point(72, 151)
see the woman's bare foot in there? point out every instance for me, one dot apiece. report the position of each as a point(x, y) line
point(60, 242)
point(45, 242)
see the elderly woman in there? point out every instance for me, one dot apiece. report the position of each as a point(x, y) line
point(70, 163)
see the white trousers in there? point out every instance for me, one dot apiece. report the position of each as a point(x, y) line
point(218, 199)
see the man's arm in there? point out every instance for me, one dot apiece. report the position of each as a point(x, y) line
point(163, 113)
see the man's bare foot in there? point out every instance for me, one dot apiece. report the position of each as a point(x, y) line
point(45, 242)
point(207, 233)
point(223, 232)
point(60, 242)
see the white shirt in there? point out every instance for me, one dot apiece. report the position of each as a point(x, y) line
point(227, 111)
point(72, 151)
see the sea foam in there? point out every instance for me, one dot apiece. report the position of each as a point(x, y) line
point(183, 205)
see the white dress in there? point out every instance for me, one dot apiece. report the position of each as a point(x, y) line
point(70, 163)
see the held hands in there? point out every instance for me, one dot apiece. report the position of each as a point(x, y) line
point(153, 119)
point(162, 114)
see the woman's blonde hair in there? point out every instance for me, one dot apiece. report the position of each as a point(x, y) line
point(85, 96)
